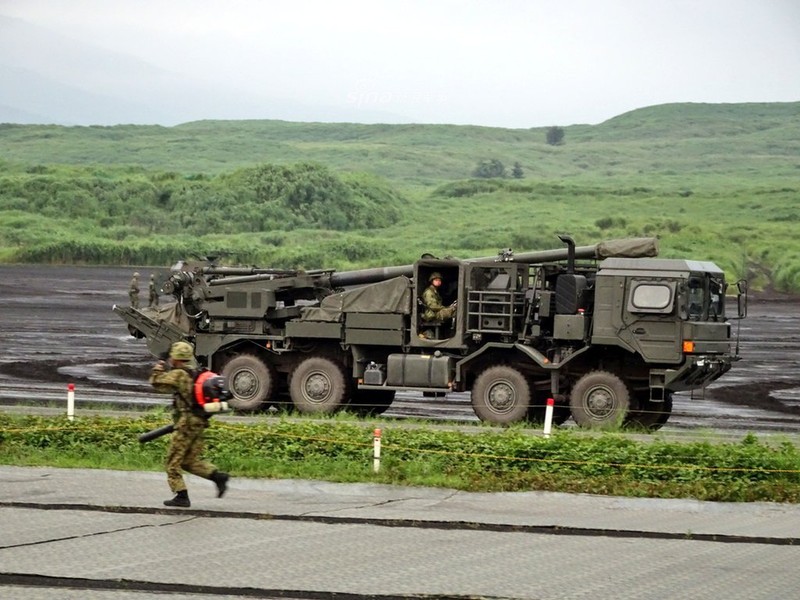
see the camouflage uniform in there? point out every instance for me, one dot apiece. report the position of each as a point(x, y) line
point(187, 440)
point(153, 292)
point(133, 291)
point(190, 421)
point(434, 309)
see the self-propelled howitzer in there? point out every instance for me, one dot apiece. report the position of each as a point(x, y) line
point(608, 330)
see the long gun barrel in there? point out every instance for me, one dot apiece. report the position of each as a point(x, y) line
point(629, 247)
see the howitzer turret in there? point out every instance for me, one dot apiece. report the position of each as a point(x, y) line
point(603, 329)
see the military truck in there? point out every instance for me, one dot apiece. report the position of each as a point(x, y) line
point(608, 331)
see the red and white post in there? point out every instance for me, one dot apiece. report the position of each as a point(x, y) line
point(548, 417)
point(376, 450)
point(71, 401)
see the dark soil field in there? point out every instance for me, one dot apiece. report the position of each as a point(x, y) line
point(57, 327)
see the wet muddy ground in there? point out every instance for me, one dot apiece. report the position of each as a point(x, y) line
point(57, 327)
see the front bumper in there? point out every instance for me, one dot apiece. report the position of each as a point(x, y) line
point(697, 371)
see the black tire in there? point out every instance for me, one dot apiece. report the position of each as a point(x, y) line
point(250, 380)
point(650, 415)
point(599, 400)
point(501, 395)
point(367, 403)
point(318, 385)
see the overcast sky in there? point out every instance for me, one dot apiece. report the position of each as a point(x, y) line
point(508, 63)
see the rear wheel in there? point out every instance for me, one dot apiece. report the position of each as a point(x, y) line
point(501, 395)
point(318, 385)
point(599, 400)
point(250, 380)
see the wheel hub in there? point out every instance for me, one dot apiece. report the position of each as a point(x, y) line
point(501, 397)
point(600, 402)
point(244, 384)
point(317, 387)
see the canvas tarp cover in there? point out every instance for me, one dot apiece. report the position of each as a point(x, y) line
point(169, 313)
point(628, 248)
point(391, 296)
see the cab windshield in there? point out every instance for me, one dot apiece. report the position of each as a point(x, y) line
point(705, 298)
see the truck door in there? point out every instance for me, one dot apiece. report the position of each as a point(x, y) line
point(652, 321)
point(440, 333)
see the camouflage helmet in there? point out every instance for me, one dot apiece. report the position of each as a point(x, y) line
point(434, 275)
point(181, 351)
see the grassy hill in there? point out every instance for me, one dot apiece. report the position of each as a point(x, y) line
point(669, 141)
point(714, 181)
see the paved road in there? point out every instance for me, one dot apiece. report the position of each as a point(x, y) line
point(104, 534)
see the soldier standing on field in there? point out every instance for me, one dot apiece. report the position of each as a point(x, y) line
point(153, 291)
point(177, 377)
point(133, 291)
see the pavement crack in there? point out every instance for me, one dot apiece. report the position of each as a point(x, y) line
point(357, 507)
point(158, 588)
point(539, 529)
point(87, 535)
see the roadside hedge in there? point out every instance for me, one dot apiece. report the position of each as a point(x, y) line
point(481, 459)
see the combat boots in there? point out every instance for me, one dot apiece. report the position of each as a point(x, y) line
point(181, 499)
point(221, 479)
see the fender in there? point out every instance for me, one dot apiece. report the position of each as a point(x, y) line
point(536, 356)
point(532, 353)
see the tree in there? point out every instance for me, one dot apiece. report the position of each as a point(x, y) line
point(516, 172)
point(555, 135)
point(488, 169)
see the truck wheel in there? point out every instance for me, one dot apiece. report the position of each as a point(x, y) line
point(599, 400)
point(367, 403)
point(501, 395)
point(651, 415)
point(318, 385)
point(250, 380)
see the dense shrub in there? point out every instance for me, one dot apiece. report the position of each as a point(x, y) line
point(481, 459)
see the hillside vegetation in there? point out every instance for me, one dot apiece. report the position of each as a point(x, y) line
point(714, 182)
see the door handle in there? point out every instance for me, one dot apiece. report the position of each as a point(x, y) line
point(639, 330)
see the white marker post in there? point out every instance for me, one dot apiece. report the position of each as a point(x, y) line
point(548, 417)
point(376, 451)
point(71, 401)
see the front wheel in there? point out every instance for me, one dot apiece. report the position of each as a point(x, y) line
point(651, 415)
point(599, 400)
point(318, 385)
point(250, 380)
point(501, 395)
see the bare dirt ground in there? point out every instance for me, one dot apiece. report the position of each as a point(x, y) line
point(57, 327)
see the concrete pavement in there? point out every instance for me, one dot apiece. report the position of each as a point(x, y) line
point(70, 533)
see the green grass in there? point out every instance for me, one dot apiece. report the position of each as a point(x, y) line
point(481, 459)
point(713, 181)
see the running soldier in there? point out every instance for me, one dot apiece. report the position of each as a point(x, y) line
point(177, 377)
